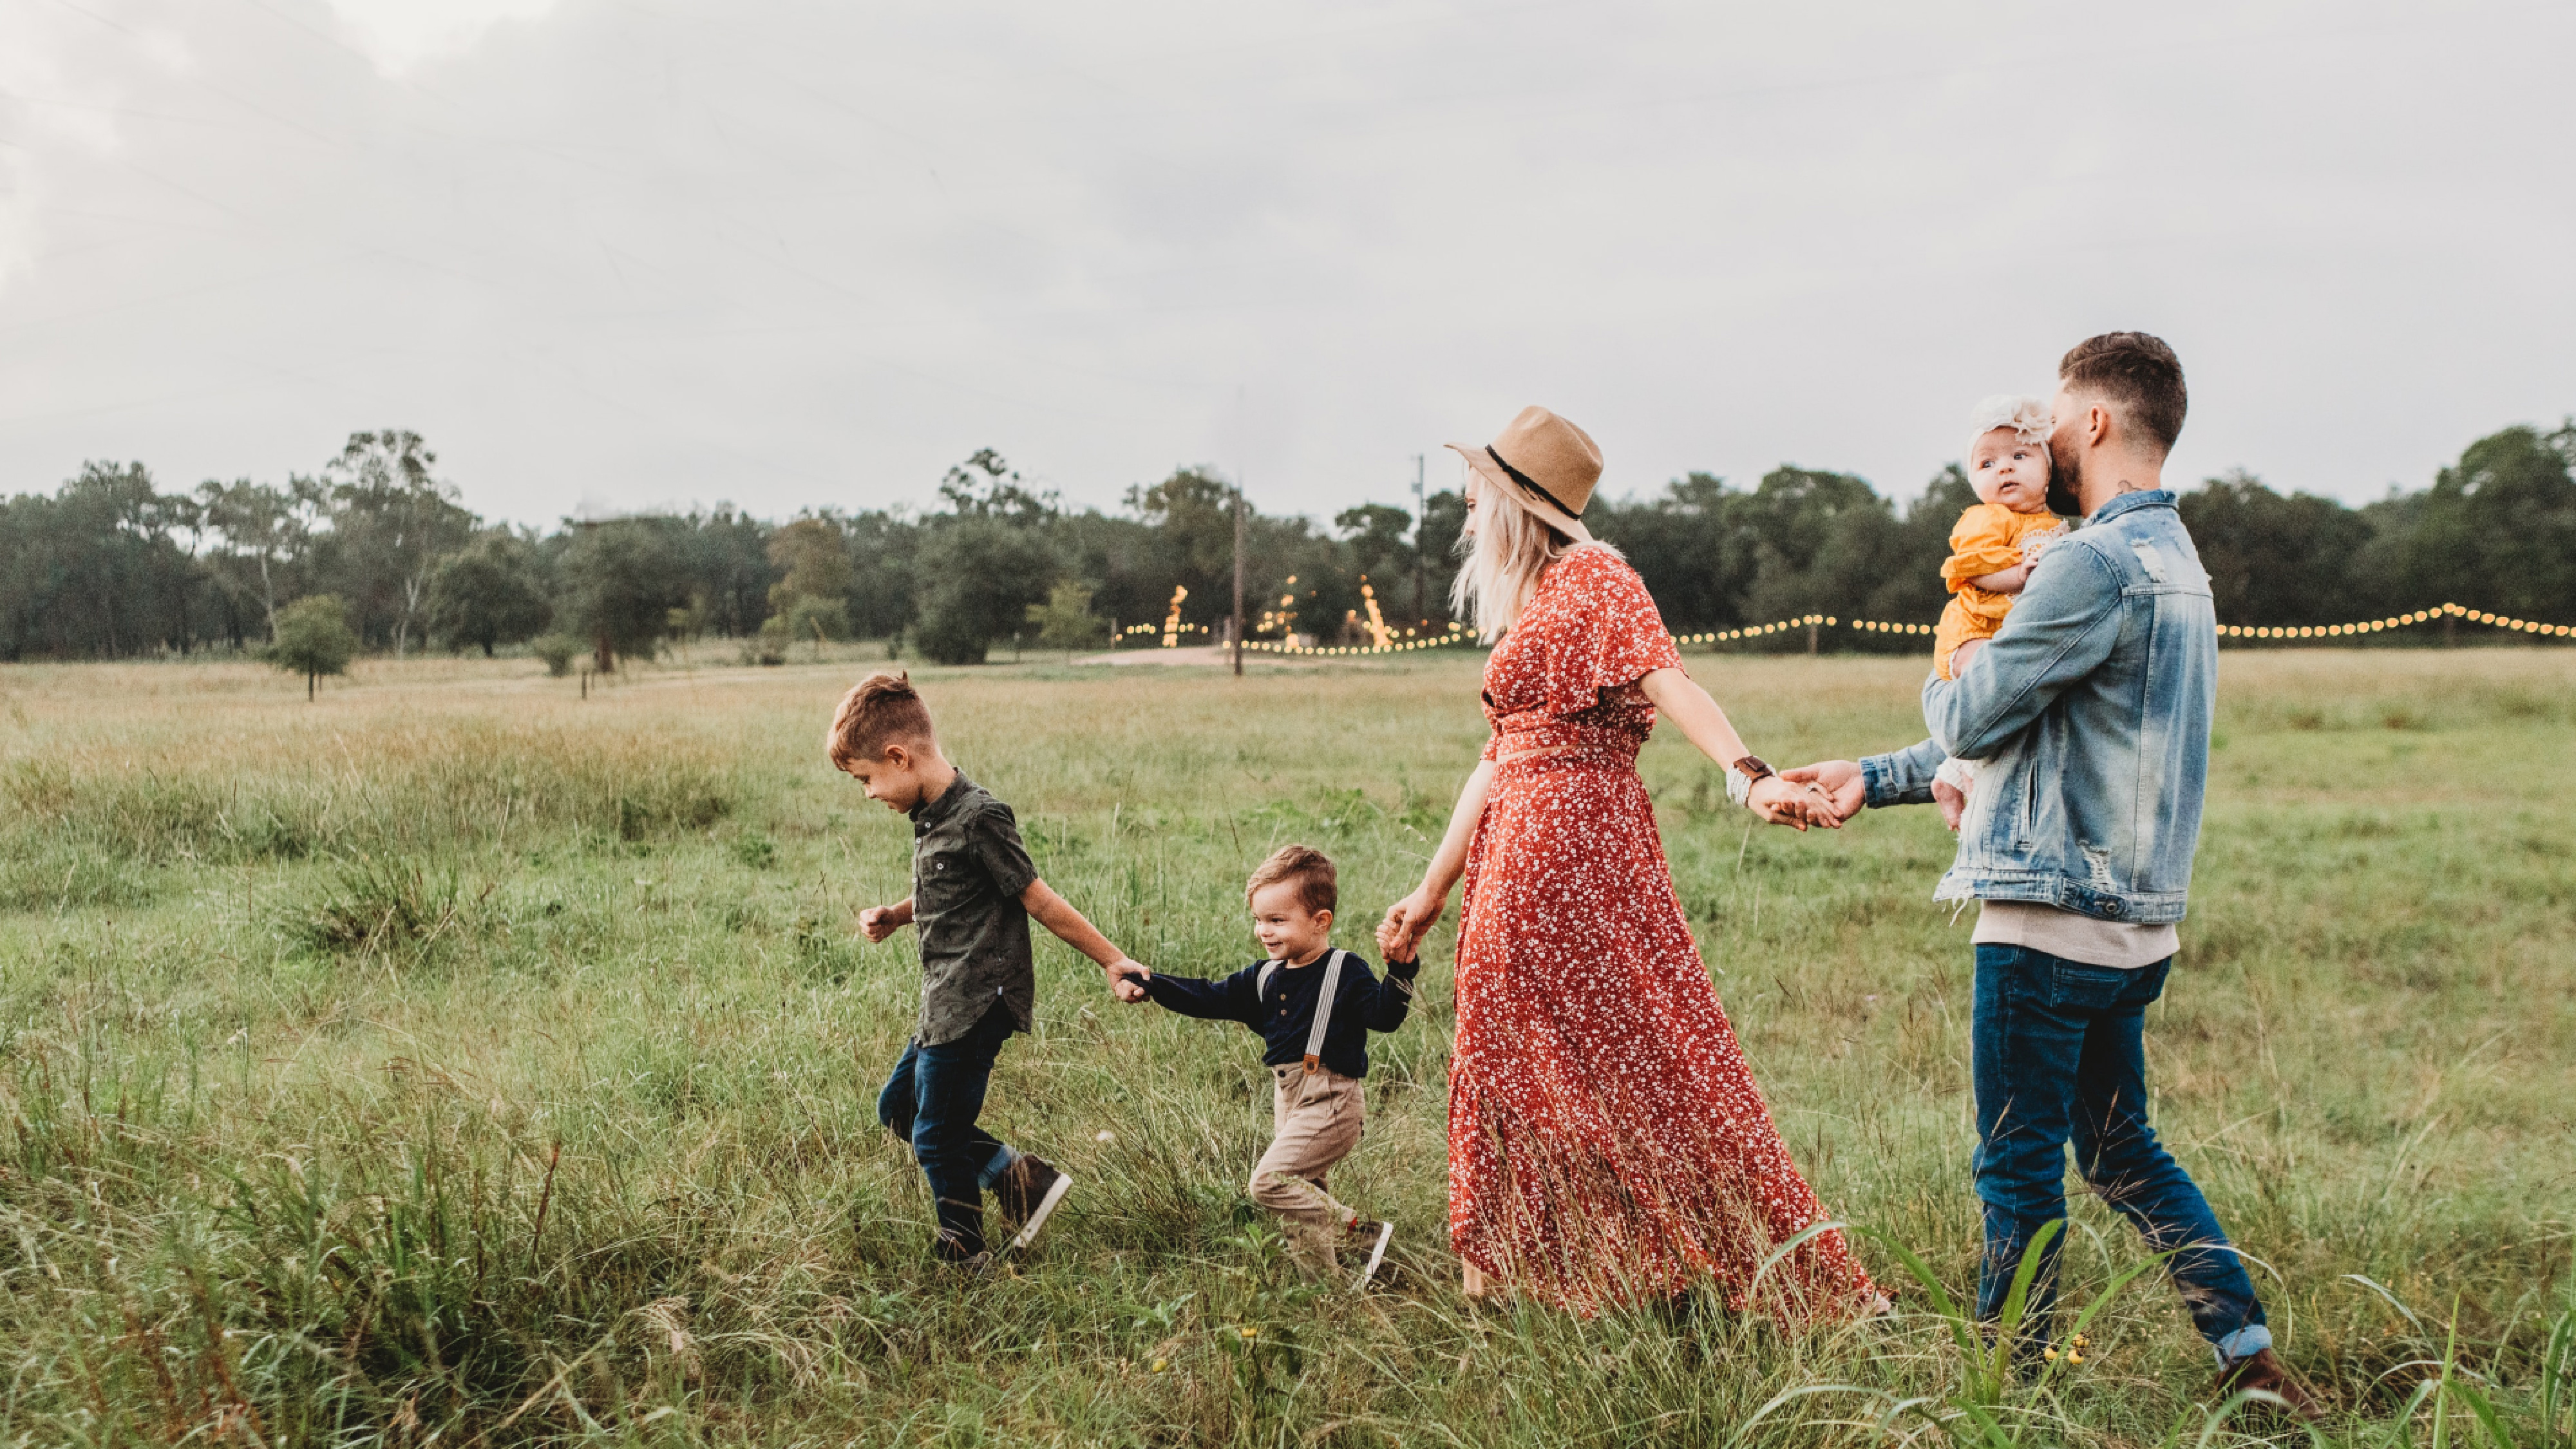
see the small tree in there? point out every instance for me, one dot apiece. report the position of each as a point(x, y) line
point(313, 639)
point(623, 578)
point(976, 578)
point(1064, 621)
point(489, 594)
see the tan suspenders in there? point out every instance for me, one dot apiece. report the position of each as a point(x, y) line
point(1324, 999)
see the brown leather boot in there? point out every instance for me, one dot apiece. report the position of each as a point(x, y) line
point(2261, 1370)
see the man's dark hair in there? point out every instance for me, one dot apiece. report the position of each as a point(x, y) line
point(2136, 373)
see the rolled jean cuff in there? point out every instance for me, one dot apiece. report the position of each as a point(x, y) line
point(1001, 1163)
point(2243, 1344)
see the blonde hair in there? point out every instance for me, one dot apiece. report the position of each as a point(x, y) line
point(1504, 557)
point(2026, 416)
point(1310, 868)
point(879, 710)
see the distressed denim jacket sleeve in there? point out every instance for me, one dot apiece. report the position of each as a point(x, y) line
point(2061, 628)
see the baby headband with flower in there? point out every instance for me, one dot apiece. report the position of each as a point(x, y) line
point(2026, 416)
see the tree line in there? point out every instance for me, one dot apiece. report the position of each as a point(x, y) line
point(109, 566)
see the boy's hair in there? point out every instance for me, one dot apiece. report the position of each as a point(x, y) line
point(1310, 868)
point(2136, 372)
point(879, 710)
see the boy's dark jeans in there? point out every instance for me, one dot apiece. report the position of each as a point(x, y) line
point(2058, 1056)
point(931, 1101)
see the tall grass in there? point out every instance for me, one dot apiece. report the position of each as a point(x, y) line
point(458, 1061)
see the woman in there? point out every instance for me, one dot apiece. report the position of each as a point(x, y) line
point(1606, 1143)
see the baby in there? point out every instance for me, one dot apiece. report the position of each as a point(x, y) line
point(1992, 549)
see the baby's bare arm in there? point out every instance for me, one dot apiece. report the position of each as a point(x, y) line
point(2003, 581)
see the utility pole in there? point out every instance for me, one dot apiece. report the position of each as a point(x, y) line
point(1238, 576)
point(1421, 613)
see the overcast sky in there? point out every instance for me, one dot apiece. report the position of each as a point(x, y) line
point(619, 254)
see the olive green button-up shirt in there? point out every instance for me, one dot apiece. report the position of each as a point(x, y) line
point(968, 870)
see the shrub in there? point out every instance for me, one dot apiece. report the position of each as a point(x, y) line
point(557, 650)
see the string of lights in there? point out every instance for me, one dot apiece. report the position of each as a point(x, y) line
point(1458, 634)
point(2394, 621)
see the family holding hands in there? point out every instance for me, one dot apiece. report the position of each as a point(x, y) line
point(1607, 1142)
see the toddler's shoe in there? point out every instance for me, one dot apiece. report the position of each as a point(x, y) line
point(1029, 1192)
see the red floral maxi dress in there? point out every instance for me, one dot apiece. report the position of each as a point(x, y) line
point(1606, 1142)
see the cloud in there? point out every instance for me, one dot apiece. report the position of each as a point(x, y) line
point(401, 34)
point(790, 255)
point(49, 103)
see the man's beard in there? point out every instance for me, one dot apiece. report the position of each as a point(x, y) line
point(2065, 485)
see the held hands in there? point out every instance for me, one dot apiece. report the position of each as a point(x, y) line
point(1838, 781)
point(1127, 978)
point(1406, 923)
point(1782, 800)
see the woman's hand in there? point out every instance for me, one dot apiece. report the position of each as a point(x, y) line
point(1783, 803)
point(1841, 782)
point(1407, 922)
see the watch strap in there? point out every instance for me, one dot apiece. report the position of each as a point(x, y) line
point(1740, 778)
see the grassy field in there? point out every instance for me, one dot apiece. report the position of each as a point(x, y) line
point(456, 1060)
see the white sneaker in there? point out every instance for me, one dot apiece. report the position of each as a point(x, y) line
point(1050, 1184)
point(1377, 1255)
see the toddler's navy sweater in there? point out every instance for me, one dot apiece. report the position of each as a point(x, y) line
point(1285, 1014)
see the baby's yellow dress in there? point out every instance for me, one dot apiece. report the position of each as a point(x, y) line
point(1988, 539)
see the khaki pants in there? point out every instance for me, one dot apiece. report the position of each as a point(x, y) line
point(1316, 1118)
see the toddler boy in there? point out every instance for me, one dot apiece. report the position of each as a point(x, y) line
point(1992, 549)
point(1314, 1006)
point(973, 891)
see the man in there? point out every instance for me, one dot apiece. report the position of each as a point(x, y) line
point(2091, 707)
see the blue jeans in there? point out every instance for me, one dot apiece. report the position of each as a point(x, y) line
point(2058, 1056)
point(931, 1101)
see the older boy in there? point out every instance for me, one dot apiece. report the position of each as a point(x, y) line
point(1314, 1007)
point(973, 891)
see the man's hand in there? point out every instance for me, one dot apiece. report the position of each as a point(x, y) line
point(1793, 803)
point(1960, 656)
point(879, 922)
point(1126, 979)
point(1841, 782)
point(1953, 804)
point(1406, 923)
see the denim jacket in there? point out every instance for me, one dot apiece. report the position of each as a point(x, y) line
point(2091, 709)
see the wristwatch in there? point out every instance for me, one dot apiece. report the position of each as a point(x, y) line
point(1740, 779)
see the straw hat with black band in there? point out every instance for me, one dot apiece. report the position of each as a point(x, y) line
point(1545, 464)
